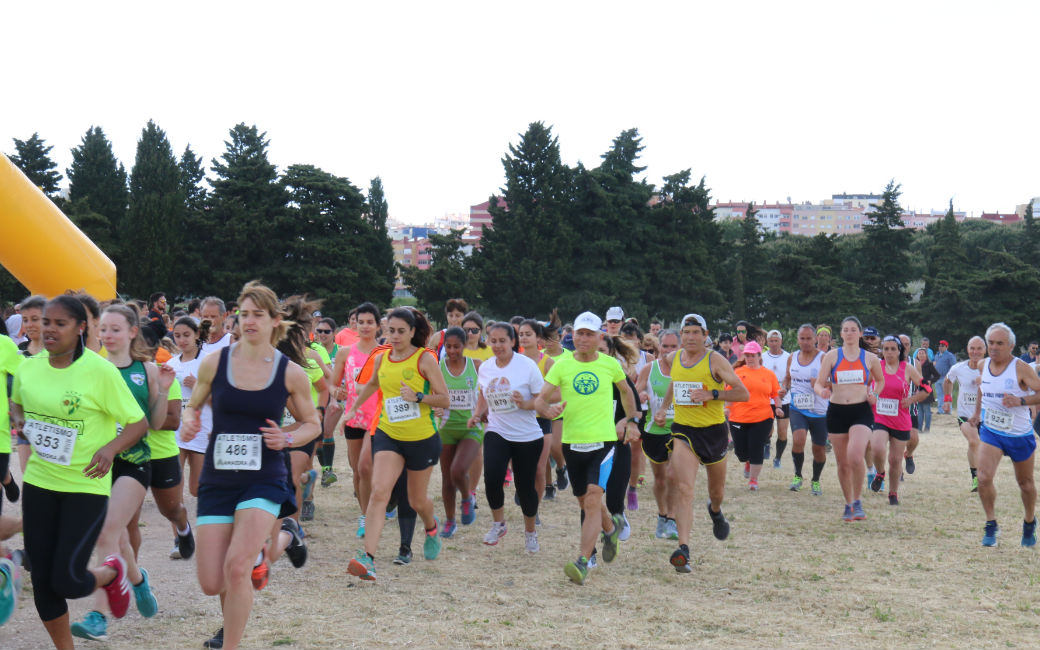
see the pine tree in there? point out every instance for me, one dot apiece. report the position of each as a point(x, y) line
point(886, 265)
point(192, 174)
point(242, 236)
point(33, 158)
point(529, 237)
point(97, 191)
point(448, 276)
point(154, 219)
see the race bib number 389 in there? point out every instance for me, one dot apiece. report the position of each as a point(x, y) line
point(398, 410)
point(51, 442)
point(237, 451)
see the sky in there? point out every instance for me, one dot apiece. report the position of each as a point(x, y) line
point(767, 100)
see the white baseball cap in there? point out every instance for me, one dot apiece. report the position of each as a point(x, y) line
point(587, 321)
point(696, 317)
point(774, 333)
point(615, 313)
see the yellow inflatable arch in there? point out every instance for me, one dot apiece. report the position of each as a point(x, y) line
point(43, 249)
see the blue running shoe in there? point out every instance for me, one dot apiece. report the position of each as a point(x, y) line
point(391, 514)
point(469, 510)
point(144, 598)
point(857, 511)
point(449, 528)
point(989, 536)
point(847, 515)
point(308, 487)
point(432, 544)
point(1029, 533)
point(93, 627)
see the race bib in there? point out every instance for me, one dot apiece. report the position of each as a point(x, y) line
point(398, 410)
point(51, 442)
point(887, 406)
point(587, 446)
point(501, 402)
point(461, 400)
point(287, 418)
point(657, 402)
point(804, 401)
point(849, 376)
point(240, 451)
point(999, 420)
point(970, 399)
point(682, 391)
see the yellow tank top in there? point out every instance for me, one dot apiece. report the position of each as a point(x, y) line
point(541, 363)
point(399, 419)
point(685, 380)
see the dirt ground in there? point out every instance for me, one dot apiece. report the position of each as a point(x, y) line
point(792, 574)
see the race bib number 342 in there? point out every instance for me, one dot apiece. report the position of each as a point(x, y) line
point(51, 442)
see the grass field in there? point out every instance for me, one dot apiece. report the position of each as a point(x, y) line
point(792, 574)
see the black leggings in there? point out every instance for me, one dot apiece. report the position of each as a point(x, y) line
point(497, 453)
point(620, 473)
point(60, 531)
point(749, 440)
point(5, 459)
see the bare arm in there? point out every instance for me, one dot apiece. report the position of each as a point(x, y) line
point(543, 403)
point(199, 395)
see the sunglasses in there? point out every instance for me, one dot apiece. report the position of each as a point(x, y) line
point(473, 330)
point(613, 320)
point(323, 331)
point(741, 331)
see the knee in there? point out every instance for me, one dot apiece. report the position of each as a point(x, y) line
point(459, 475)
point(237, 570)
point(212, 584)
point(1026, 484)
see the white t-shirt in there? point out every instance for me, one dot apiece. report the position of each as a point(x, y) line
point(778, 364)
point(183, 370)
point(497, 385)
point(965, 377)
point(208, 347)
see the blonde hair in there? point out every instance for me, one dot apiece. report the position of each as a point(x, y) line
point(267, 300)
point(139, 348)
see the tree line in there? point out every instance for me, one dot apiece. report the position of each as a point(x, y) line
point(169, 228)
point(582, 238)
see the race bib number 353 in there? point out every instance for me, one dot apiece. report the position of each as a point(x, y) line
point(238, 451)
point(51, 442)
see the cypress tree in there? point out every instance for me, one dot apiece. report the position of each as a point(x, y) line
point(33, 158)
point(97, 191)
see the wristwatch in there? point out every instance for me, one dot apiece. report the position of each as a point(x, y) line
point(419, 398)
point(714, 394)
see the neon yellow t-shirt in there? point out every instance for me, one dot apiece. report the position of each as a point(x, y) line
point(315, 374)
point(70, 413)
point(322, 352)
point(480, 354)
point(586, 387)
point(164, 443)
point(10, 359)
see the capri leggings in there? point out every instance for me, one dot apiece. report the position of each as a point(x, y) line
point(617, 484)
point(497, 453)
point(60, 531)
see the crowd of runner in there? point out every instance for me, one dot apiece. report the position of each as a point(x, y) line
point(242, 404)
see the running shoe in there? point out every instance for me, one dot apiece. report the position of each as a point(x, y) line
point(776, 463)
point(752, 485)
point(817, 489)
point(641, 481)
point(593, 561)
point(308, 485)
point(469, 510)
point(719, 525)
point(497, 532)
point(12, 490)
point(175, 554)
point(662, 527)
point(680, 559)
point(216, 642)
point(550, 492)
point(671, 529)
point(93, 627)
point(449, 528)
point(361, 527)
point(765, 452)
point(877, 482)
point(577, 571)
point(259, 576)
point(561, 478)
point(796, 484)
point(10, 587)
point(1029, 533)
point(118, 591)
point(626, 530)
point(911, 466)
point(509, 477)
point(297, 548)
point(186, 544)
point(990, 534)
point(391, 508)
point(857, 511)
point(362, 566)
point(328, 477)
point(847, 515)
point(829, 446)
point(610, 540)
point(974, 483)
point(307, 512)
point(633, 499)
point(893, 500)
point(431, 547)
point(747, 470)
point(404, 556)
point(531, 542)
point(144, 598)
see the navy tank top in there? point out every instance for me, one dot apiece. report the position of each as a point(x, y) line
point(236, 453)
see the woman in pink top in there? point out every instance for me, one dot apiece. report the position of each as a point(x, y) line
point(892, 415)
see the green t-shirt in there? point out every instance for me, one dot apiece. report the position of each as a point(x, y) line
point(586, 387)
point(136, 377)
point(462, 396)
point(164, 443)
point(70, 413)
point(10, 359)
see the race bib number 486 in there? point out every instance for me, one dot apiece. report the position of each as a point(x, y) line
point(237, 451)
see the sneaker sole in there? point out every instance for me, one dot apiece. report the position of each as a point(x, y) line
point(359, 570)
point(679, 562)
point(83, 634)
point(574, 574)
